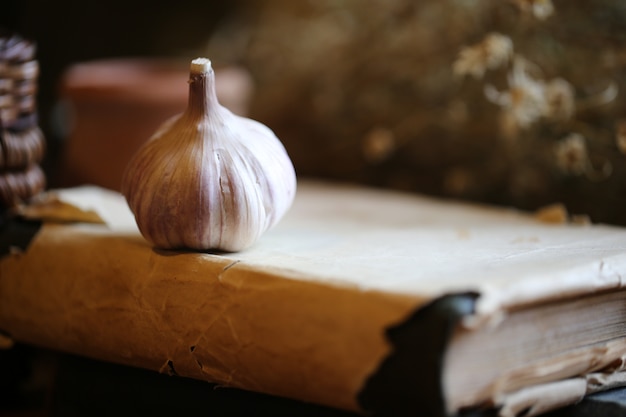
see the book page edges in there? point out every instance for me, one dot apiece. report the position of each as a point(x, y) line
point(542, 398)
point(604, 274)
point(553, 382)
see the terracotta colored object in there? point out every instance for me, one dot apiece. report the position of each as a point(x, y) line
point(116, 105)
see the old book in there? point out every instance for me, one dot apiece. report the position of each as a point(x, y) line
point(361, 299)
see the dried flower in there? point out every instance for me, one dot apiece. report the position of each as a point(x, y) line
point(600, 98)
point(494, 51)
point(525, 99)
point(620, 136)
point(459, 181)
point(378, 144)
point(529, 99)
point(540, 9)
point(554, 214)
point(571, 154)
point(580, 219)
point(560, 101)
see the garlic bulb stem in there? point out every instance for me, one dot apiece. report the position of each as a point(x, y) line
point(202, 92)
point(200, 66)
point(209, 179)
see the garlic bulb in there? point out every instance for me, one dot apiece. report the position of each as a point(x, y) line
point(208, 179)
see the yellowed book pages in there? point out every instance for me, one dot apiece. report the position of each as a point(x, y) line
point(303, 313)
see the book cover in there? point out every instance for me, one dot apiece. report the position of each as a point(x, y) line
point(360, 299)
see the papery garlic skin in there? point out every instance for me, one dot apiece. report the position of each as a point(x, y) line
point(209, 179)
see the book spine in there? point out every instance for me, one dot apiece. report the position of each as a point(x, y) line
point(90, 291)
point(409, 380)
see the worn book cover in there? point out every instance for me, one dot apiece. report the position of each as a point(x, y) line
point(361, 299)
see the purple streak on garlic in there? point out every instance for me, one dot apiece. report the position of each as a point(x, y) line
point(208, 179)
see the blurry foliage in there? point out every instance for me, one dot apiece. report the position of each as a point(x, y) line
point(370, 94)
point(374, 92)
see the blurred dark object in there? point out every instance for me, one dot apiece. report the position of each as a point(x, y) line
point(511, 102)
point(22, 142)
point(90, 388)
point(26, 381)
point(41, 383)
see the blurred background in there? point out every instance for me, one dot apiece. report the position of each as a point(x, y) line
point(510, 102)
point(516, 103)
